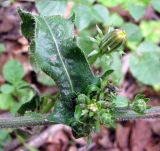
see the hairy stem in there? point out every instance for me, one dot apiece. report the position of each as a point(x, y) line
point(29, 120)
point(23, 121)
point(154, 112)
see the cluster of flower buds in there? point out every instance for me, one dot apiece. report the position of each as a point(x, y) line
point(109, 42)
point(92, 111)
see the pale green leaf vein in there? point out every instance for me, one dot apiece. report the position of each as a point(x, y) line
point(59, 53)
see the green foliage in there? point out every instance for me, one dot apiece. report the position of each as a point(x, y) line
point(139, 104)
point(133, 31)
point(59, 56)
point(115, 20)
point(143, 66)
point(91, 15)
point(45, 79)
point(151, 30)
point(136, 11)
point(16, 89)
point(13, 71)
point(121, 102)
point(156, 5)
point(51, 7)
point(5, 138)
point(6, 101)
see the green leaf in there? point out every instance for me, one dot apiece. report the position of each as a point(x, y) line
point(107, 73)
point(5, 138)
point(146, 67)
point(83, 41)
point(45, 79)
point(6, 101)
point(110, 3)
point(115, 20)
point(102, 12)
point(56, 53)
point(7, 88)
point(136, 11)
point(2, 48)
point(151, 30)
point(29, 99)
point(156, 5)
point(77, 113)
point(88, 15)
point(121, 102)
point(133, 31)
point(84, 16)
point(51, 7)
point(148, 46)
point(13, 71)
point(116, 65)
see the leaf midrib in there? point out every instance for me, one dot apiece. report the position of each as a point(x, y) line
point(59, 53)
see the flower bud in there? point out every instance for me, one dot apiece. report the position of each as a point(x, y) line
point(139, 106)
point(81, 98)
point(106, 118)
point(112, 40)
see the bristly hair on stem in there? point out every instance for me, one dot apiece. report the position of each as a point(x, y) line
point(29, 121)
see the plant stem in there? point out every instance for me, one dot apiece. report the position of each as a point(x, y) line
point(47, 107)
point(154, 112)
point(40, 119)
point(23, 121)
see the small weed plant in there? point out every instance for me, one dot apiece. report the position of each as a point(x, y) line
point(85, 100)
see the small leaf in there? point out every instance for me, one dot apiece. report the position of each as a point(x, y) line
point(137, 11)
point(45, 79)
point(139, 106)
point(29, 99)
point(116, 65)
point(5, 138)
point(115, 20)
point(107, 73)
point(7, 88)
point(146, 68)
point(84, 16)
point(102, 13)
point(133, 31)
point(148, 46)
point(156, 5)
point(6, 101)
point(51, 7)
point(151, 30)
point(77, 113)
point(13, 71)
point(121, 102)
